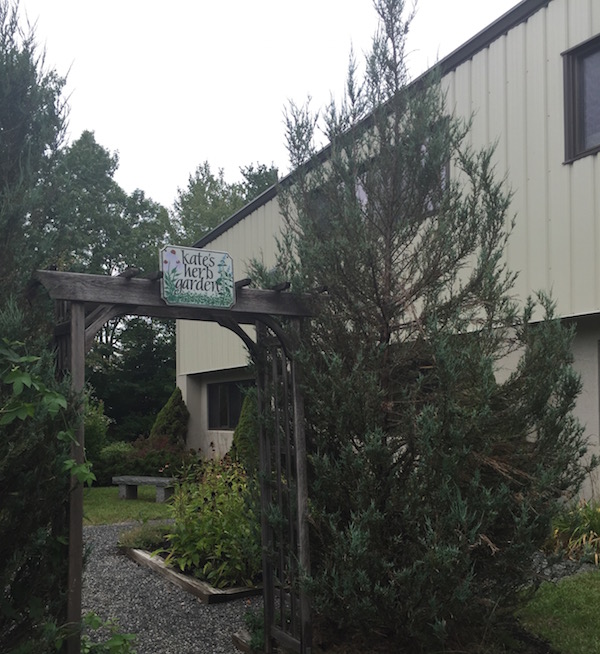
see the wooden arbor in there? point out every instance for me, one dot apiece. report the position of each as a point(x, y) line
point(85, 302)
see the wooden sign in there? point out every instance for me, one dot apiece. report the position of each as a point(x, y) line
point(196, 278)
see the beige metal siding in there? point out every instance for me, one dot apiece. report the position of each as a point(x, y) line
point(514, 92)
point(202, 347)
point(207, 346)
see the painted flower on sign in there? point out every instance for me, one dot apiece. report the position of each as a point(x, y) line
point(171, 259)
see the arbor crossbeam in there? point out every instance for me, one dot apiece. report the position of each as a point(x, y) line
point(85, 302)
point(142, 297)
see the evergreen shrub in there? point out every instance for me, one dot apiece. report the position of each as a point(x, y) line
point(96, 428)
point(172, 421)
point(245, 436)
point(439, 410)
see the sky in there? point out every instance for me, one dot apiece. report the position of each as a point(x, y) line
point(170, 85)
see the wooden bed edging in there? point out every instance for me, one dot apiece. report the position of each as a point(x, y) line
point(241, 641)
point(200, 589)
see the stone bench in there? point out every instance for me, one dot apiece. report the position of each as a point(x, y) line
point(128, 486)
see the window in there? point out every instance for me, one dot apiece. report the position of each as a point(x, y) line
point(225, 404)
point(582, 99)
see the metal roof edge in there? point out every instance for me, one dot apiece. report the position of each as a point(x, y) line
point(513, 17)
point(239, 215)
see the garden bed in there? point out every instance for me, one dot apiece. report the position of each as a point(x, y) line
point(200, 589)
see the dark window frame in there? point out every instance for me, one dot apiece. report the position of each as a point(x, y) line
point(224, 404)
point(573, 99)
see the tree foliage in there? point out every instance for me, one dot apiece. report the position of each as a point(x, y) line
point(89, 224)
point(34, 487)
point(209, 199)
point(256, 179)
point(133, 374)
point(172, 420)
point(88, 221)
point(59, 207)
point(440, 429)
point(32, 122)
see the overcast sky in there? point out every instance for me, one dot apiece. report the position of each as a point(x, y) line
point(170, 85)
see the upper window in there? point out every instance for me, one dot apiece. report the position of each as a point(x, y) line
point(582, 99)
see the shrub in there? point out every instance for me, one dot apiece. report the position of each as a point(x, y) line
point(34, 490)
point(255, 623)
point(576, 532)
point(111, 640)
point(171, 421)
point(112, 460)
point(216, 536)
point(96, 427)
point(157, 458)
point(439, 422)
point(245, 436)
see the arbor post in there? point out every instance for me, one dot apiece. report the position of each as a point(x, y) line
point(77, 367)
point(302, 500)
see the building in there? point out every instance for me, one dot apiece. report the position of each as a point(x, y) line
point(531, 81)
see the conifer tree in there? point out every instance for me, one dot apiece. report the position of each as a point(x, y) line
point(440, 424)
point(32, 122)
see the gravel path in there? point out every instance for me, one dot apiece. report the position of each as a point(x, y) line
point(165, 618)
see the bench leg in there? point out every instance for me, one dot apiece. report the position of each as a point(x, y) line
point(127, 492)
point(163, 494)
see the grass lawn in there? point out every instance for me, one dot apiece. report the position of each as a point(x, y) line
point(566, 614)
point(102, 506)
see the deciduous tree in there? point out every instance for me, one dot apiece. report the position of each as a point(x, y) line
point(34, 485)
point(88, 221)
point(256, 179)
point(134, 376)
point(209, 199)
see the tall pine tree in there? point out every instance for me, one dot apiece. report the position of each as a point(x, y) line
point(439, 412)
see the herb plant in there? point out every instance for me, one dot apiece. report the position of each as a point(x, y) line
point(216, 536)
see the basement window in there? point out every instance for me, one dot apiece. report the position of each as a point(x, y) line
point(582, 99)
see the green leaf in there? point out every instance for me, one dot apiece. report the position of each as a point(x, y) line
point(81, 471)
point(54, 402)
point(7, 417)
point(66, 436)
point(19, 379)
point(20, 412)
point(93, 621)
point(13, 357)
